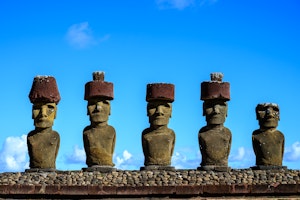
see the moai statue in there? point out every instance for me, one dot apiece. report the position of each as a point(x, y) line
point(158, 140)
point(215, 138)
point(43, 142)
point(267, 141)
point(99, 138)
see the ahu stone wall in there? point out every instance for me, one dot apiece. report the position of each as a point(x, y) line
point(151, 183)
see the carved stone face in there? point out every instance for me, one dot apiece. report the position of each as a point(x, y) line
point(215, 111)
point(98, 110)
point(159, 112)
point(44, 114)
point(267, 115)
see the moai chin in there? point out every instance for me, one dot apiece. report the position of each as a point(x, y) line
point(99, 138)
point(158, 140)
point(267, 141)
point(43, 142)
point(214, 138)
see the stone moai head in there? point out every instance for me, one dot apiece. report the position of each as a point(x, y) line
point(44, 96)
point(159, 108)
point(267, 115)
point(98, 93)
point(215, 95)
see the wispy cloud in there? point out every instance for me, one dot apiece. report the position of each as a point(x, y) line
point(186, 158)
point(180, 160)
point(122, 159)
point(241, 158)
point(127, 161)
point(174, 4)
point(182, 4)
point(292, 154)
point(238, 155)
point(77, 157)
point(81, 36)
point(14, 154)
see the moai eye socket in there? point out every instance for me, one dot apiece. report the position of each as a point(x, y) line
point(276, 109)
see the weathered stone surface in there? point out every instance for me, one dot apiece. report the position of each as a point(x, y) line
point(219, 167)
point(160, 91)
point(241, 189)
point(99, 138)
point(158, 140)
point(99, 168)
point(99, 145)
point(43, 148)
point(99, 88)
point(158, 146)
point(158, 167)
point(214, 139)
point(43, 143)
point(268, 142)
point(193, 177)
point(215, 145)
point(44, 89)
point(215, 89)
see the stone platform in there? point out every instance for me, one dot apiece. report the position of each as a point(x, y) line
point(149, 184)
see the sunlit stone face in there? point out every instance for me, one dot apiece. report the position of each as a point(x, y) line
point(44, 114)
point(159, 112)
point(267, 115)
point(215, 111)
point(98, 110)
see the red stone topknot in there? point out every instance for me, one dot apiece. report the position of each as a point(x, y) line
point(160, 91)
point(44, 89)
point(98, 87)
point(215, 89)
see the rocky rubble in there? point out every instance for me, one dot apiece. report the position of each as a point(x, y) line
point(121, 178)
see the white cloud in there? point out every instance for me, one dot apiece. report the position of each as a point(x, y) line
point(121, 160)
point(239, 155)
point(126, 155)
point(180, 160)
point(14, 154)
point(241, 158)
point(182, 4)
point(78, 156)
point(127, 161)
point(292, 153)
point(81, 36)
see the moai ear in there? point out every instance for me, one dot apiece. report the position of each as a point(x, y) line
point(171, 107)
point(55, 111)
point(32, 113)
point(203, 108)
point(226, 109)
point(147, 109)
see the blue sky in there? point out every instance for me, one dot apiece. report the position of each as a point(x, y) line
point(255, 44)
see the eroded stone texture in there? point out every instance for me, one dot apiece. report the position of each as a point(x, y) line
point(99, 138)
point(215, 139)
point(158, 140)
point(267, 141)
point(43, 146)
point(43, 143)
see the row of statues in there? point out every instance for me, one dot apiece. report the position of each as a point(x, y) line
point(158, 140)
